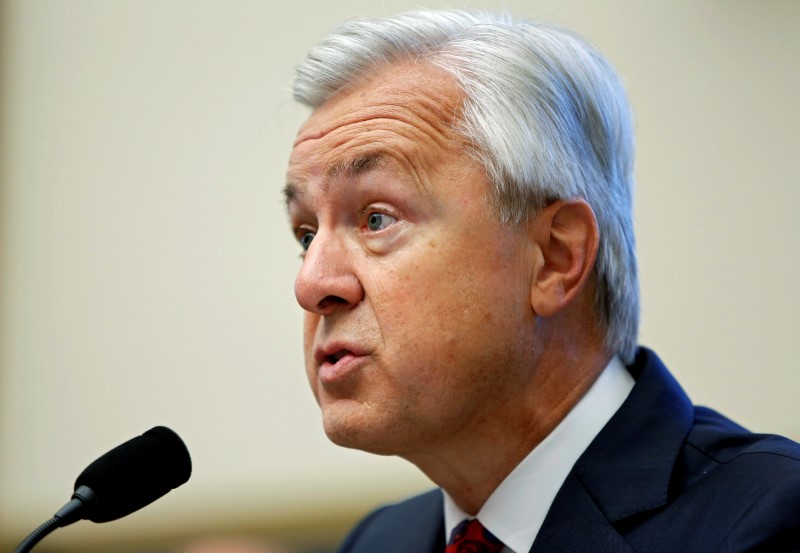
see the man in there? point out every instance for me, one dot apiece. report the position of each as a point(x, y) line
point(462, 192)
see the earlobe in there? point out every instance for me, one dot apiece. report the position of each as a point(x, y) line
point(567, 238)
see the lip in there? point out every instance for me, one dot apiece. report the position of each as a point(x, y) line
point(324, 352)
point(336, 361)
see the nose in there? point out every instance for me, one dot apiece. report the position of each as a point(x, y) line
point(326, 282)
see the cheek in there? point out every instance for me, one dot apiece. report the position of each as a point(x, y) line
point(424, 315)
point(310, 323)
point(452, 300)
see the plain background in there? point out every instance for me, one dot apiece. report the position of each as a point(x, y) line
point(147, 266)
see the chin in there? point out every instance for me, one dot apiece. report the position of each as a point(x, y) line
point(355, 433)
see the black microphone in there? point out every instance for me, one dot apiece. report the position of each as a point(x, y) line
point(122, 481)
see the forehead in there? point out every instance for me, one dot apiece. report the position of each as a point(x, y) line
point(403, 112)
point(394, 90)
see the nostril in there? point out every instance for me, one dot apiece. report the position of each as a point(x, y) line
point(331, 301)
point(326, 288)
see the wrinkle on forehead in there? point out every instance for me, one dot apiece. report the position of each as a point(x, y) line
point(404, 113)
point(416, 94)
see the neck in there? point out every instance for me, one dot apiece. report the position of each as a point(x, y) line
point(469, 468)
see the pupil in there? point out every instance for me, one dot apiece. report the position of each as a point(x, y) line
point(374, 221)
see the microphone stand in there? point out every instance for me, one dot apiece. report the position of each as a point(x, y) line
point(68, 514)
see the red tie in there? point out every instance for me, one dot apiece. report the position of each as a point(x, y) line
point(471, 537)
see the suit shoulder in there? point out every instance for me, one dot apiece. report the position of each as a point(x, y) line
point(730, 490)
point(748, 485)
point(723, 441)
point(386, 529)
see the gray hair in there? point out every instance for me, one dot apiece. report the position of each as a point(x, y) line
point(545, 114)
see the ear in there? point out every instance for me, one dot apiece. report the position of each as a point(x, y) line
point(566, 236)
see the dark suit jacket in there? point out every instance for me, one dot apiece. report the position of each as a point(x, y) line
point(662, 476)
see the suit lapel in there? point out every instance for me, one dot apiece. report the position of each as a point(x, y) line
point(575, 524)
point(426, 535)
point(416, 525)
point(626, 470)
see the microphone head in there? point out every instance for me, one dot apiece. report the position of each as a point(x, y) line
point(135, 474)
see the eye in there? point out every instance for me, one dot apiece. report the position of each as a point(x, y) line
point(305, 236)
point(378, 221)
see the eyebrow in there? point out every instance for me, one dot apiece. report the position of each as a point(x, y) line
point(342, 171)
point(290, 194)
point(352, 168)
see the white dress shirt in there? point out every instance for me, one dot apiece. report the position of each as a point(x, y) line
point(516, 509)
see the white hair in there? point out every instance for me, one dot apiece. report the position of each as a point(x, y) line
point(545, 113)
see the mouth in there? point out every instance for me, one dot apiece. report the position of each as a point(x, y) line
point(332, 354)
point(334, 358)
point(338, 368)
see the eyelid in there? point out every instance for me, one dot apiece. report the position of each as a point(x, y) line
point(378, 208)
point(301, 231)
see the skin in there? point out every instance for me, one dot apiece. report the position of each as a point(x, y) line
point(433, 331)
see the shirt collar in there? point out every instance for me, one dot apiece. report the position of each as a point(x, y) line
point(517, 508)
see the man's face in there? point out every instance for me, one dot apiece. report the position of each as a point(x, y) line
point(418, 321)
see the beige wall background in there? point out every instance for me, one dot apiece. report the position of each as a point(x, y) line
point(147, 265)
